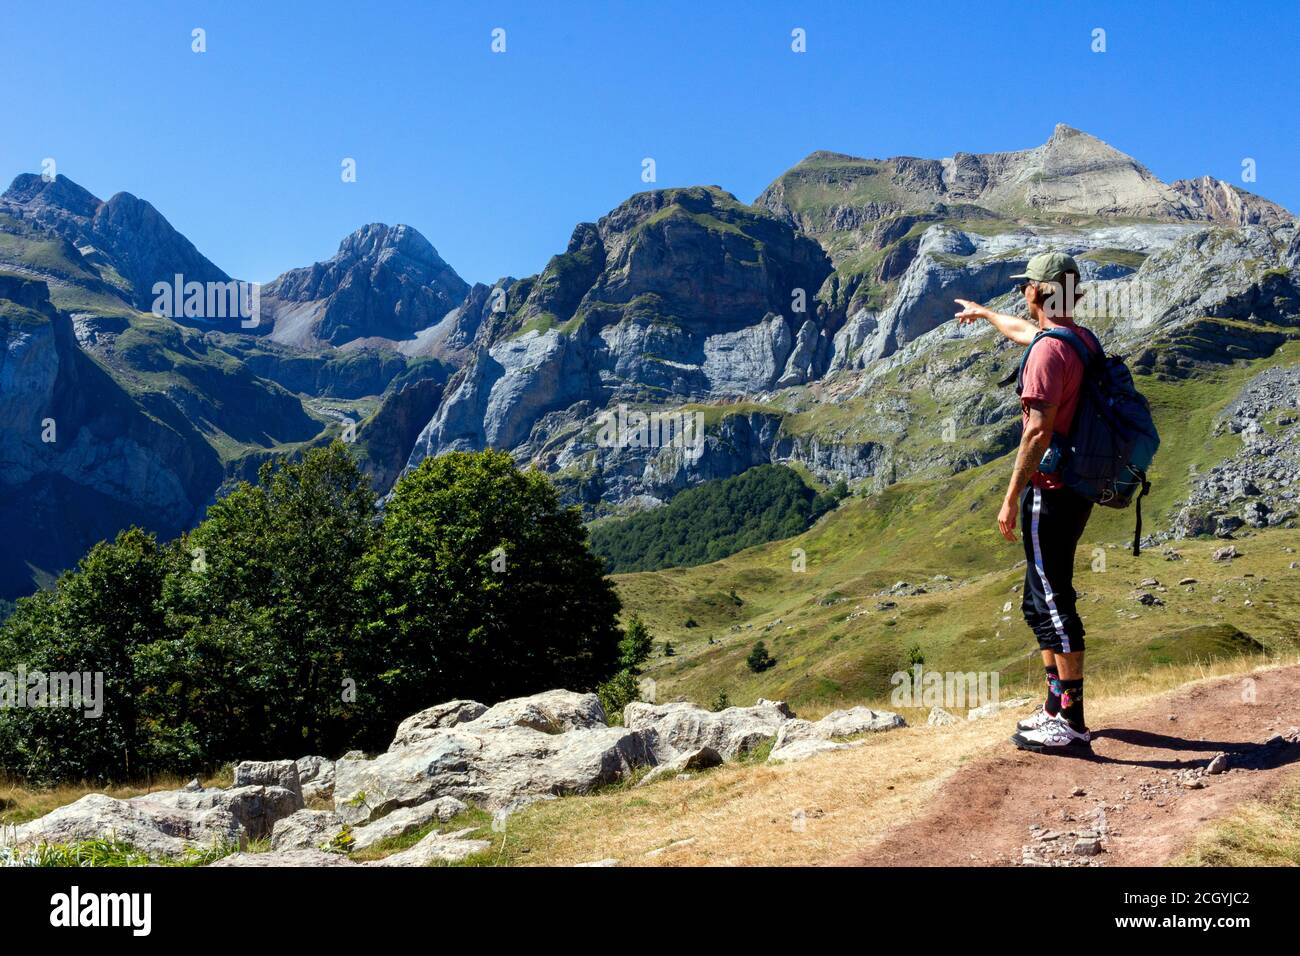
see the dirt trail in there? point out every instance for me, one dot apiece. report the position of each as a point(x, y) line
point(1144, 789)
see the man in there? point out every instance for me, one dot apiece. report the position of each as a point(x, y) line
point(1053, 517)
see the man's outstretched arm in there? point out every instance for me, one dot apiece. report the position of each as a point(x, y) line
point(1018, 330)
point(1033, 445)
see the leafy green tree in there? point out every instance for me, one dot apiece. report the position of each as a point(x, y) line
point(759, 659)
point(616, 693)
point(96, 620)
point(634, 649)
point(481, 585)
point(262, 595)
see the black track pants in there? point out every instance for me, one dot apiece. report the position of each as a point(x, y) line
point(1051, 523)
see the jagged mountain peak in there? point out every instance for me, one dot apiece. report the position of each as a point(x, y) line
point(30, 189)
point(375, 238)
point(383, 286)
point(127, 232)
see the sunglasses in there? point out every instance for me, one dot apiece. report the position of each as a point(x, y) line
point(1021, 284)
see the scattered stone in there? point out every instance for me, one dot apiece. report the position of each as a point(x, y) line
point(940, 718)
point(1218, 764)
point(677, 845)
point(993, 709)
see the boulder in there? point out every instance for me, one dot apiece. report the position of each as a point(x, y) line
point(551, 712)
point(807, 747)
point(406, 820)
point(940, 717)
point(301, 857)
point(305, 830)
point(679, 728)
point(160, 833)
point(487, 766)
point(254, 808)
point(269, 773)
point(701, 759)
point(437, 847)
point(450, 714)
point(316, 775)
point(839, 723)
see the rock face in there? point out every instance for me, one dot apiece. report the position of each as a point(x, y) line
point(681, 728)
point(75, 443)
point(835, 287)
point(385, 284)
point(798, 739)
point(1258, 486)
point(683, 292)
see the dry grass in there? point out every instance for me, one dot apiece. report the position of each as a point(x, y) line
point(1256, 834)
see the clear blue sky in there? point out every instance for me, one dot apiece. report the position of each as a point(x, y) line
point(495, 157)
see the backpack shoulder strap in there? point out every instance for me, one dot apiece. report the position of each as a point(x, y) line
point(1086, 355)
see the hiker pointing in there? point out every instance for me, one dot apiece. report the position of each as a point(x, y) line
point(1052, 516)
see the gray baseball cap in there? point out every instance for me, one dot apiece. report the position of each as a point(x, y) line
point(1048, 267)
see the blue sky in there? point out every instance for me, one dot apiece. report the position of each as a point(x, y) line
point(495, 157)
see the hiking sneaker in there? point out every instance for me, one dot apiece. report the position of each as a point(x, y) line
point(1054, 734)
point(1035, 720)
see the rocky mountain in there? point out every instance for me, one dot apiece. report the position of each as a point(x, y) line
point(684, 337)
point(384, 285)
point(676, 295)
point(1071, 176)
point(125, 239)
point(155, 414)
point(80, 457)
point(644, 310)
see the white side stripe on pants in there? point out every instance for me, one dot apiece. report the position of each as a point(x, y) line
point(1042, 576)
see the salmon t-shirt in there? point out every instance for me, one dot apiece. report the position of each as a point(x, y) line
point(1053, 375)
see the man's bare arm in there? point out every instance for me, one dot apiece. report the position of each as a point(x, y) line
point(1033, 445)
point(1018, 330)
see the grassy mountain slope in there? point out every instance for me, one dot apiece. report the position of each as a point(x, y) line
point(832, 642)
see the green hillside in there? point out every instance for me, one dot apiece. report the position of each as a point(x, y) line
point(835, 638)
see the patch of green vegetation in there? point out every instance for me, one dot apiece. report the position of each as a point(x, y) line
point(1127, 258)
point(713, 520)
